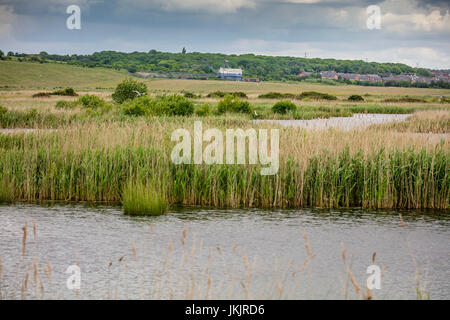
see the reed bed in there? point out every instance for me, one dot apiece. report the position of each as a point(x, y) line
point(369, 168)
point(430, 121)
point(139, 199)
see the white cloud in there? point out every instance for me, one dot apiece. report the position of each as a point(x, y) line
point(209, 6)
point(431, 22)
point(406, 16)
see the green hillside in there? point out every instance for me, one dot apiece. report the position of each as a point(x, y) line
point(50, 75)
point(263, 67)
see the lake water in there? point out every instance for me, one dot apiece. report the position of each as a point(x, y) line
point(216, 253)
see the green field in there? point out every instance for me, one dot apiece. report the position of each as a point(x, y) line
point(27, 75)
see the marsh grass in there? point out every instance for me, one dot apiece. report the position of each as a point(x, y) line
point(139, 199)
point(430, 121)
point(6, 191)
point(91, 156)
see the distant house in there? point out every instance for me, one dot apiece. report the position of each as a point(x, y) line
point(349, 76)
point(251, 80)
point(304, 74)
point(230, 74)
point(329, 75)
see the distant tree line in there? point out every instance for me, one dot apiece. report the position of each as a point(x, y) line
point(254, 66)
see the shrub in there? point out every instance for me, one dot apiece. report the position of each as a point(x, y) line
point(239, 94)
point(127, 90)
point(65, 92)
point(203, 110)
point(221, 94)
point(445, 99)
point(41, 95)
point(173, 105)
point(405, 99)
point(233, 104)
point(283, 107)
point(355, 97)
point(316, 96)
point(138, 107)
point(276, 95)
point(216, 94)
point(138, 199)
point(62, 104)
point(190, 95)
point(91, 101)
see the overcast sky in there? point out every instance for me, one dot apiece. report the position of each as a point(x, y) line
point(415, 32)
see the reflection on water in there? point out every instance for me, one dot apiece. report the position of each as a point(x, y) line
point(94, 236)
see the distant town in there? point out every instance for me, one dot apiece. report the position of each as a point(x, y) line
point(413, 78)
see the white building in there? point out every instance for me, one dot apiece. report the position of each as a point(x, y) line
point(230, 74)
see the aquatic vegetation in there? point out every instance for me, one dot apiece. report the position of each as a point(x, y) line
point(377, 179)
point(431, 121)
point(139, 199)
point(6, 191)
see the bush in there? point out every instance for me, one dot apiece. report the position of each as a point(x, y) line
point(239, 94)
point(203, 110)
point(355, 97)
point(221, 94)
point(445, 100)
point(138, 107)
point(91, 101)
point(233, 104)
point(127, 90)
point(405, 99)
point(190, 95)
point(316, 96)
point(62, 104)
point(174, 105)
point(65, 92)
point(276, 95)
point(283, 107)
point(42, 95)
